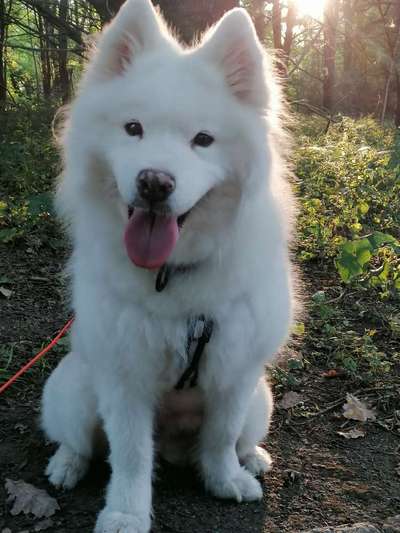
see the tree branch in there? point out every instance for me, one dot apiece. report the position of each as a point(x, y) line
point(73, 33)
point(76, 50)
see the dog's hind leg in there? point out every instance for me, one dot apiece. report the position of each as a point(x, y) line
point(69, 417)
point(253, 457)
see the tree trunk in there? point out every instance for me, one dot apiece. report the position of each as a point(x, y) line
point(329, 74)
point(63, 77)
point(349, 74)
point(348, 16)
point(277, 24)
point(192, 17)
point(283, 44)
point(397, 110)
point(258, 14)
point(290, 23)
point(395, 54)
point(3, 73)
point(44, 55)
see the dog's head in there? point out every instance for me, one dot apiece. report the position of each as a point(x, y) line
point(179, 131)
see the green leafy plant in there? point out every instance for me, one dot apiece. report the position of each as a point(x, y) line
point(355, 256)
point(349, 188)
point(29, 164)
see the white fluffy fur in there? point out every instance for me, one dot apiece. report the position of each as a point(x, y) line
point(128, 341)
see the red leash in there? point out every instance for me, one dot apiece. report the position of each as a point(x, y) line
point(37, 356)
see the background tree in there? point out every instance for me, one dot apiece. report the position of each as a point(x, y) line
point(4, 21)
point(193, 17)
point(329, 72)
point(63, 77)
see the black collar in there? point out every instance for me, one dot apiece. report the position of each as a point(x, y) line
point(166, 271)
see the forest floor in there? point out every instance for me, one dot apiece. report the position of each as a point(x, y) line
point(319, 478)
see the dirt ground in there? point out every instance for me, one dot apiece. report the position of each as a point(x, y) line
point(319, 478)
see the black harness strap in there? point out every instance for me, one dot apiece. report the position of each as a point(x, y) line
point(162, 277)
point(199, 329)
point(192, 371)
point(166, 271)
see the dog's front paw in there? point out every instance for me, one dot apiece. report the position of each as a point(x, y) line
point(115, 522)
point(257, 462)
point(66, 467)
point(240, 487)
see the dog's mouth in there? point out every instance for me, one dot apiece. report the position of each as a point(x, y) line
point(181, 219)
point(151, 236)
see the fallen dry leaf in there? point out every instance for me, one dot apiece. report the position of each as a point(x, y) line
point(354, 409)
point(290, 399)
point(352, 433)
point(397, 470)
point(5, 292)
point(28, 499)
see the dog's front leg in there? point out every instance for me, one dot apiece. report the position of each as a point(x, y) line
point(224, 419)
point(128, 420)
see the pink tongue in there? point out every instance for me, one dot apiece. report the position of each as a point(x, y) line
point(150, 239)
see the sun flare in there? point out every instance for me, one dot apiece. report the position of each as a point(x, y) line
point(312, 8)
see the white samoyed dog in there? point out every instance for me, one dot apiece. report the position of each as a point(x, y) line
point(175, 190)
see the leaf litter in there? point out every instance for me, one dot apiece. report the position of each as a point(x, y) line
point(352, 433)
point(290, 399)
point(355, 409)
point(5, 292)
point(26, 498)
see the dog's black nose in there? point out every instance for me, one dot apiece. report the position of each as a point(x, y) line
point(155, 185)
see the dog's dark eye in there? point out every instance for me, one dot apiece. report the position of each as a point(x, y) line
point(134, 128)
point(203, 139)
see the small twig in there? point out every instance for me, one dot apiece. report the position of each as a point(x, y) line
point(378, 423)
point(304, 71)
point(330, 407)
point(342, 293)
point(316, 110)
point(341, 400)
point(303, 55)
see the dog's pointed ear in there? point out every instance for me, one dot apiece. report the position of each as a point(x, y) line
point(136, 28)
point(232, 44)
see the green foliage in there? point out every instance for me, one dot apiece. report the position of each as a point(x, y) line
point(28, 167)
point(348, 243)
point(350, 197)
point(285, 379)
point(28, 157)
point(355, 256)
